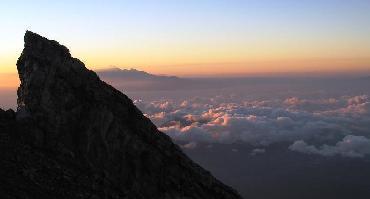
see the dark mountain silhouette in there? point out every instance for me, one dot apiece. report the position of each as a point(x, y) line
point(74, 136)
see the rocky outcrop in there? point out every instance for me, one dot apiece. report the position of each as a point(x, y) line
point(74, 136)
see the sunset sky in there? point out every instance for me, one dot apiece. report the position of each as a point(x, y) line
point(198, 37)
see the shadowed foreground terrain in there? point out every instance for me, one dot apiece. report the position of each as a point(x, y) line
point(74, 136)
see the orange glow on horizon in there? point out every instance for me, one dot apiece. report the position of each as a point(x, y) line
point(322, 66)
point(9, 81)
point(257, 67)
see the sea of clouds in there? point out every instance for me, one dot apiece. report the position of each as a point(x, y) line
point(324, 126)
point(327, 117)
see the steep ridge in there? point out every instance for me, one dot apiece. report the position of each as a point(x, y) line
point(74, 136)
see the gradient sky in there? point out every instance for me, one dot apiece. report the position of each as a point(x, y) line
point(198, 37)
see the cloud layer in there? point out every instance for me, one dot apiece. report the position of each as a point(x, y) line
point(350, 146)
point(300, 121)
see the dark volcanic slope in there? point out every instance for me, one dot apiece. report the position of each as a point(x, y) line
point(75, 136)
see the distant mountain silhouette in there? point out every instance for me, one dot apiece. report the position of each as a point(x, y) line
point(74, 136)
point(135, 80)
point(132, 74)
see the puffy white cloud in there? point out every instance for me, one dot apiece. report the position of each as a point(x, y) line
point(257, 151)
point(362, 108)
point(360, 99)
point(350, 146)
point(189, 133)
point(302, 146)
point(293, 101)
point(190, 145)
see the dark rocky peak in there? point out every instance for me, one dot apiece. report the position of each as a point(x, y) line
point(41, 46)
point(97, 137)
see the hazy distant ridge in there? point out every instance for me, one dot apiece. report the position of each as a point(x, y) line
point(132, 74)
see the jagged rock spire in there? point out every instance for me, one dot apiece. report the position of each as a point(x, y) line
point(86, 123)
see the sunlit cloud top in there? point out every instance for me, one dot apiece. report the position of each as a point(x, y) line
point(192, 37)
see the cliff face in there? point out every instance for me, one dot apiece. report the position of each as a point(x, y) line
point(75, 136)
